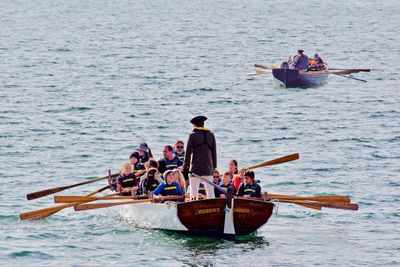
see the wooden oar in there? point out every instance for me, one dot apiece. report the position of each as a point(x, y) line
point(72, 199)
point(54, 190)
point(361, 80)
point(80, 207)
point(46, 212)
point(265, 67)
point(275, 161)
point(352, 70)
point(323, 204)
point(341, 199)
point(258, 72)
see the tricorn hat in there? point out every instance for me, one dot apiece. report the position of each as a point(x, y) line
point(198, 119)
point(300, 51)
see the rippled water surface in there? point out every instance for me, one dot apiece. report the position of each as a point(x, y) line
point(83, 82)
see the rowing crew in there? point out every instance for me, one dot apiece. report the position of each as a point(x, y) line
point(302, 62)
point(174, 184)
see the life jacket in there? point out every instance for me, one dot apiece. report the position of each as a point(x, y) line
point(144, 159)
point(202, 189)
point(313, 62)
point(250, 190)
point(169, 189)
point(138, 167)
point(181, 157)
point(171, 164)
point(127, 181)
point(146, 186)
point(223, 186)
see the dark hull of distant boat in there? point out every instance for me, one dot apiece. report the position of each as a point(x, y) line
point(304, 79)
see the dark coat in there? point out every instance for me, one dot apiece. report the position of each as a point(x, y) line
point(201, 152)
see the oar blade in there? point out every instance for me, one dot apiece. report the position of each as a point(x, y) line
point(280, 160)
point(45, 192)
point(37, 214)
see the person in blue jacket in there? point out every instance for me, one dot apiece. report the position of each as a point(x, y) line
point(249, 188)
point(169, 187)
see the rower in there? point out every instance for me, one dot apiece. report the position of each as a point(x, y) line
point(126, 182)
point(225, 184)
point(149, 182)
point(169, 187)
point(170, 161)
point(144, 152)
point(249, 188)
point(179, 150)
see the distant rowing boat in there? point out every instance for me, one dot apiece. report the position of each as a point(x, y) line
point(202, 217)
point(290, 78)
point(296, 78)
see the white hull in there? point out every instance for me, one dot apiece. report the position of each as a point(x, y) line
point(153, 216)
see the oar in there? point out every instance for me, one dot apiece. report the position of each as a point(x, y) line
point(352, 70)
point(265, 67)
point(71, 199)
point(54, 190)
point(258, 72)
point(323, 204)
point(275, 161)
point(46, 212)
point(361, 80)
point(341, 199)
point(80, 207)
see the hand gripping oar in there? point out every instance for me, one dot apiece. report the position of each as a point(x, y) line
point(46, 212)
point(54, 190)
point(275, 161)
point(341, 199)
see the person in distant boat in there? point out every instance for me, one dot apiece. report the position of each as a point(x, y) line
point(144, 152)
point(300, 61)
point(169, 187)
point(170, 161)
point(225, 184)
point(318, 62)
point(200, 156)
point(149, 182)
point(179, 150)
point(249, 188)
point(126, 182)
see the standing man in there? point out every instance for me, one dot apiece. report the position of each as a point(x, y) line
point(200, 156)
point(301, 60)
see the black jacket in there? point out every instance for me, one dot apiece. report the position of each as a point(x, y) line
point(201, 152)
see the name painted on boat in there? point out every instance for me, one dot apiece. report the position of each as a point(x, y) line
point(207, 211)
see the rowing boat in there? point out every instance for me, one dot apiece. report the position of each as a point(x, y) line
point(207, 217)
point(304, 79)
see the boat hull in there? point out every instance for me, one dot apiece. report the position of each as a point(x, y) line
point(202, 217)
point(304, 79)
